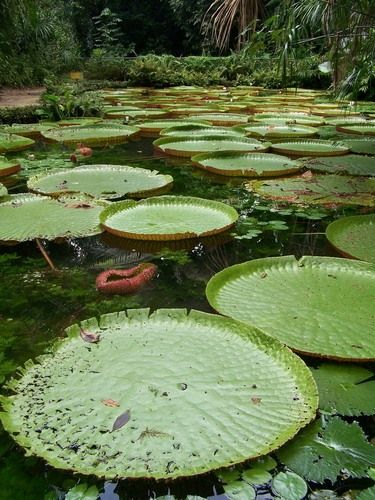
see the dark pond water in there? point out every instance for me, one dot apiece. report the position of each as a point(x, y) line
point(37, 304)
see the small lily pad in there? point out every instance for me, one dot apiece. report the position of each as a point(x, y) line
point(289, 486)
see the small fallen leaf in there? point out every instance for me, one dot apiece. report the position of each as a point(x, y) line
point(89, 336)
point(78, 205)
point(111, 403)
point(121, 420)
point(263, 275)
point(255, 400)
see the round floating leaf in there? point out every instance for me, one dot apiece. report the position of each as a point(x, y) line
point(32, 130)
point(357, 129)
point(187, 147)
point(318, 189)
point(3, 191)
point(168, 218)
point(155, 126)
point(273, 131)
point(361, 146)
point(222, 119)
point(354, 236)
point(289, 485)
point(322, 306)
point(313, 147)
point(91, 136)
point(35, 165)
point(298, 118)
point(78, 120)
point(13, 142)
point(256, 475)
point(348, 164)
point(345, 390)
point(322, 452)
point(28, 216)
point(198, 130)
point(102, 181)
point(246, 164)
point(349, 120)
point(137, 113)
point(148, 398)
point(239, 490)
point(8, 167)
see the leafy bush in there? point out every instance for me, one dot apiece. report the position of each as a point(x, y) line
point(22, 114)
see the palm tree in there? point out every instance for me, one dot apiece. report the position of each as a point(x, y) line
point(222, 16)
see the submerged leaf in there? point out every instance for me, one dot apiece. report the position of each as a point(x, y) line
point(289, 485)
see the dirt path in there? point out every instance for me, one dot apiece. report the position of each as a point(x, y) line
point(20, 97)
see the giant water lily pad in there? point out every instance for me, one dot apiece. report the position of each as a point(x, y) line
point(360, 129)
point(168, 218)
point(246, 164)
point(102, 181)
point(222, 119)
point(91, 136)
point(290, 118)
point(32, 130)
point(275, 131)
point(361, 146)
point(137, 113)
point(346, 390)
point(187, 147)
point(354, 236)
point(326, 449)
point(14, 142)
point(8, 167)
point(318, 189)
point(199, 130)
point(348, 164)
point(139, 395)
point(155, 126)
point(322, 306)
point(312, 147)
point(28, 216)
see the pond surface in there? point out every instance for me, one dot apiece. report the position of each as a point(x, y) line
point(36, 304)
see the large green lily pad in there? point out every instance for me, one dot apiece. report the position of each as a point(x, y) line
point(246, 164)
point(8, 167)
point(275, 131)
point(328, 448)
point(361, 146)
point(187, 147)
point(222, 119)
point(155, 126)
point(310, 147)
point(13, 142)
point(91, 136)
point(199, 130)
point(346, 390)
point(101, 181)
point(354, 236)
point(168, 218)
point(28, 216)
point(348, 164)
point(138, 395)
point(360, 129)
point(318, 189)
point(32, 130)
point(321, 306)
point(290, 118)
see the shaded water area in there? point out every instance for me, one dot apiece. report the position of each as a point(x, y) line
point(37, 304)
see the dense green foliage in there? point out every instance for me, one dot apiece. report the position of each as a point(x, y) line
point(302, 42)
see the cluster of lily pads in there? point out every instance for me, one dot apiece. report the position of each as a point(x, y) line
point(115, 398)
